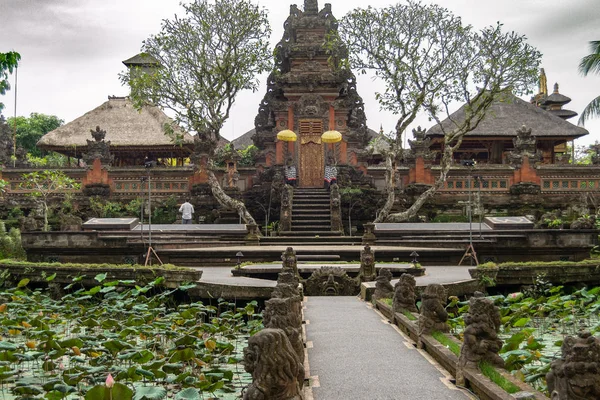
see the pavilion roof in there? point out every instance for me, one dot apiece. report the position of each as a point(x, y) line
point(125, 127)
point(510, 113)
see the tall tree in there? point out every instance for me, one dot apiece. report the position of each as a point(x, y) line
point(45, 184)
point(206, 58)
point(30, 130)
point(8, 62)
point(591, 63)
point(428, 60)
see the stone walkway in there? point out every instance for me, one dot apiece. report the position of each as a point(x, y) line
point(354, 354)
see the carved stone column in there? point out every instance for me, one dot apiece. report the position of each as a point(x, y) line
point(336, 209)
point(285, 215)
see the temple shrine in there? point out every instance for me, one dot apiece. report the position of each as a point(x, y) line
point(312, 114)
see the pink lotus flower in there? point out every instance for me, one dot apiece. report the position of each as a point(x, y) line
point(110, 382)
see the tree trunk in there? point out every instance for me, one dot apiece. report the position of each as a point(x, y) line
point(390, 186)
point(445, 163)
point(45, 216)
point(226, 201)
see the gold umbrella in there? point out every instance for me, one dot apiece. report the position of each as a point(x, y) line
point(331, 137)
point(287, 136)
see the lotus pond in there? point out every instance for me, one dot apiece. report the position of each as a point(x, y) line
point(534, 324)
point(115, 341)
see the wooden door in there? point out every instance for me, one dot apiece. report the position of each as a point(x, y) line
point(311, 165)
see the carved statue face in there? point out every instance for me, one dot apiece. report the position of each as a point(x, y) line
point(250, 358)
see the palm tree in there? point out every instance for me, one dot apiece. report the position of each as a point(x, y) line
point(591, 63)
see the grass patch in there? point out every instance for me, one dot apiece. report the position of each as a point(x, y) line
point(590, 262)
point(409, 315)
point(27, 264)
point(490, 371)
point(387, 301)
point(446, 341)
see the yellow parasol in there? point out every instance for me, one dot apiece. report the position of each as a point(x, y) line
point(331, 137)
point(287, 136)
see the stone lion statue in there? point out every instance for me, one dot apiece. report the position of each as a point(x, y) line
point(576, 375)
point(433, 314)
point(405, 297)
point(276, 372)
point(383, 287)
point(481, 340)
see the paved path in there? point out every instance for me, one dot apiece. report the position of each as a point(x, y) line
point(356, 355)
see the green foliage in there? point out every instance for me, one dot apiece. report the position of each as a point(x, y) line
point(47, 183)
point(8, 62)
point(225, 43)
point(428, 60)
point(10, 243)
point(166, 213)
point(152, 347)
point(591, 63)
point(30, 130)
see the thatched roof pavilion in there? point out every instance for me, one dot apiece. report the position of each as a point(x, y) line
point(133, 134)
point(494, 135)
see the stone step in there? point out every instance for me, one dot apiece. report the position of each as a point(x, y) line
point(310, 217)
point(311, 228)
point(296, 222)
point(310, 205)
point(309, 200)
point(309, 233)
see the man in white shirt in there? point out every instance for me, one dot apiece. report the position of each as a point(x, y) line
point(186, 211)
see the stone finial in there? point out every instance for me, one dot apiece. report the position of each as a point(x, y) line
point(367, 271)
point(481, 340)
point(98, 148)
point(98, 134)
point(576, 374)
point(383, 287)
point(433, 314)
point(311, 7)
point(405, 296)
point(276, 372)
point(524, 146)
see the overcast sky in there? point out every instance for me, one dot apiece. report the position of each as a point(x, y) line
point(72, 50)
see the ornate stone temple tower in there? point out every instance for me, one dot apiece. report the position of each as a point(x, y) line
point(309, 94)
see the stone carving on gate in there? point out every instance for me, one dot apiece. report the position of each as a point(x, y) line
point(276, 372)
point(405, 296)
point(576, 374)
point(331, 281)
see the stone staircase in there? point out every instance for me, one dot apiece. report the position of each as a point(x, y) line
point(311, 214)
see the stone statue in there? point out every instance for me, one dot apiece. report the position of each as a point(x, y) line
point(290, 261)
point(481, 341)
point(383, 287)
point(367, 271)
point(405, 296)
point(276, 372)
point(433, 315)
point(287, 285)
point(286, 314)
point(576, 375)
